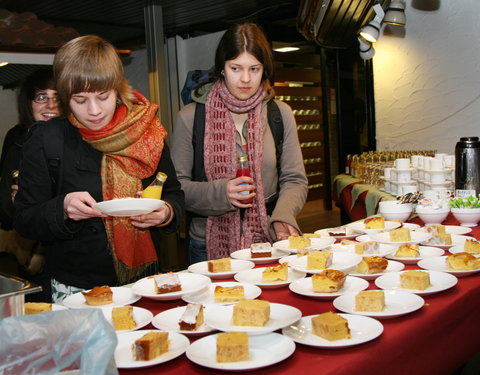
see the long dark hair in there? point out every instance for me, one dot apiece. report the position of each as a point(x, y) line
point(39, 80)
point(245, 37)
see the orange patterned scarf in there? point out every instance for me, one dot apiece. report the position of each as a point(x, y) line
point(132, 145)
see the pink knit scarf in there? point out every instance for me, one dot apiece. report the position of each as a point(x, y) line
point(226, 233)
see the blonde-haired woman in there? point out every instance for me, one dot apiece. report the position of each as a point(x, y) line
point(112, 146)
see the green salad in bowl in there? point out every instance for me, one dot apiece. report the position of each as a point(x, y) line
point(466, 202)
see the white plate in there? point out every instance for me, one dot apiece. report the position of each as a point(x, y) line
point(457, 240)
point(288, 259)
point(410, 226)
point(425, 252)
point(264, 350)
point(237, 266)
point(383, 250)
point(305, 288)
point(397, 303)
point(316, 243)
point(121, 296)
point(440, 264)
point(141, 316)
point(392, 266)
point(254, 276)
point(362, 329)
point(439, 281)
point(416, 237)
point(245, 255)
point(452, 229)
point(168, 321)
point(191, 282)
point(344, 262)
point(128, 206)
point(324, 233)
point(123, 353)
point(359, 226)
point(219, 317)
point(206, 297)
point(460, 249)
point(58, 307)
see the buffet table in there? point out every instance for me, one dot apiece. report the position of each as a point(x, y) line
point(436, 339)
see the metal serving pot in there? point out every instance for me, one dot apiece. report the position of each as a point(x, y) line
point(12, 294)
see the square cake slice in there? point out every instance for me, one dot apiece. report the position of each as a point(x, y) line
point(318, 259)
point(331, 326)
point(122, 318)
point(150, 346)
point(328, 281)
point(167, 283)
point(224, 294)
point(232, 347)
point(219, 265)
point(415, 279)
point(261, 250)
point(251, 312)
point(370, 301)
point(275, 273)
point(192, 318)
point(400, 235)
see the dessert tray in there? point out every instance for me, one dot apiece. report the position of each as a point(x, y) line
point(123, 353)
point(440, 264)
point(245, 255)
point(206, 297)
point(383, 250)
point(264, 350)
point(362, 329)
point(254, 276)
point(121, 296)
point(128, 206)
point(393, 266)
point(397, 303)
point(416, 237)
point(316, 243)
point(237, 266)
point(439, 281)
point(359, 226)
point(344, 262)
point(452, 229)
point(191, 283)
point(324, 233)
point(141, 316)
point(304, 287)
point(219, 317)
point(457, 240)
point(168, 321)
point(425, 252)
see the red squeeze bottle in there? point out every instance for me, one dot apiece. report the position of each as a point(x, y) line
point(242, 170)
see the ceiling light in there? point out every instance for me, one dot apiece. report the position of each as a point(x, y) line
point(395, 14)
point(286, 49)
point(3, 63)
point(371, 31)
point(366, 49)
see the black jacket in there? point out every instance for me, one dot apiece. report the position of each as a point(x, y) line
point(77, 251)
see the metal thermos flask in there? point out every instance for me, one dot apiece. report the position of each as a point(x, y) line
point(467, 167)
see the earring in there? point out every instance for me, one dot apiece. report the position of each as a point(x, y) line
point(222, 72)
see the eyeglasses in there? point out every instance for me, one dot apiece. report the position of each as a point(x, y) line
point(43, 99)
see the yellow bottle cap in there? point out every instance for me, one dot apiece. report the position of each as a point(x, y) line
point(161, 176)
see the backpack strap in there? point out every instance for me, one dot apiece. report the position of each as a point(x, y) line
point(275, 122)
point(54, 136)
point(198, 133)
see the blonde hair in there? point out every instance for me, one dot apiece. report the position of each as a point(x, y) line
point(89, 64)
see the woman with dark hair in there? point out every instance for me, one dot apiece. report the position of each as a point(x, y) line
point(223, 217)
point(112, 146)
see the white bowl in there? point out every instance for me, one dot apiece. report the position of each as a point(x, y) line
point(468, 217)
point(394, 210)
point(432, 216)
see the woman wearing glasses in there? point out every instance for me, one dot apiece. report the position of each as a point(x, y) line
point(37, 101)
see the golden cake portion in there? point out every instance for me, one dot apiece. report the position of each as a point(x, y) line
point(251, 312)
point(150, 346)
point(192, 318)
point(328, 281)
point(122, 318)
point(435, 228)
point(348, 242)
point(370, 300)
point(408, 251)
point(167, 283)
point(400, 235)
point(472, 246)
point(317, 260)
point(374, 222)
point(331, 326)
point(219, 265)
point(371, 265)
point(99, 295)
point(223, 294)
point(261, 250)
point(441, 239)
point(232, 347)
point(37, 307)
point(369, 247)
point(312, 235)
point(275, 273)
point(415, 279)
point(463, 261)
point(298, 242)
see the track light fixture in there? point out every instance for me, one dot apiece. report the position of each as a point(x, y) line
point(395, 14)
point(366, 49)
point(371, 31)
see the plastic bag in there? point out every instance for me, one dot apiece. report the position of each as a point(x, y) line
point(49, 343)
